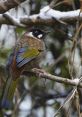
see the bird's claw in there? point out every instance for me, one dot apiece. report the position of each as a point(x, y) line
point(38, 72)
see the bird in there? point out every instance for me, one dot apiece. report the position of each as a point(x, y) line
point(26, 55)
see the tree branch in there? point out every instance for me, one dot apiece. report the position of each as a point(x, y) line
point(8, 4)
point(43, 74)
point(47, 16)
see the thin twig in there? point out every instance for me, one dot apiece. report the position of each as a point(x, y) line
point(8, 4)
point(72, 51)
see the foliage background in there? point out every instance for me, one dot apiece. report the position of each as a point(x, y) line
point(42, 98)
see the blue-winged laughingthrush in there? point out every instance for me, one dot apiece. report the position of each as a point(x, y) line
point(26, 55)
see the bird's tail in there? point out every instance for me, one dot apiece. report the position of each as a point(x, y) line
point(8, 93)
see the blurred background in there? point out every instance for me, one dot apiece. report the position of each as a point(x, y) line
point(39, 97)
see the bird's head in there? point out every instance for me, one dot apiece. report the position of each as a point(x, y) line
point(36, 33)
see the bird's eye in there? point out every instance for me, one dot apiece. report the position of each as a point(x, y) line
point(38, 33)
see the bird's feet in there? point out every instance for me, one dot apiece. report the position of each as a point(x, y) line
point(38, 72)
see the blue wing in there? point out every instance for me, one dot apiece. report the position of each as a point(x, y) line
point(23, 60)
